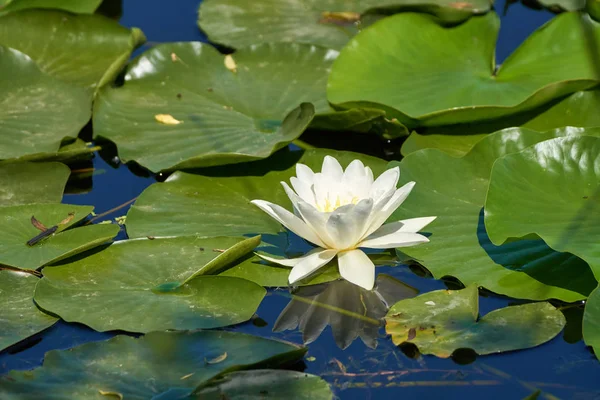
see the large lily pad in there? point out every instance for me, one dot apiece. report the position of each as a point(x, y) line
point(454, 189)
point(22, 183)
point(215, 113)
point(196, 205)
point(442, 321)
point(88, 50)
point(19, 317)
point(556, 195)
point(266, 384)
point(17, 230)
point(385, 65)
point(74, 6)
point(141, 368)
point(591, 321)
point(145, 285)
point(330, 23)
point(36, 111)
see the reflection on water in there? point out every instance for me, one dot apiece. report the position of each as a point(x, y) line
point(351, 311)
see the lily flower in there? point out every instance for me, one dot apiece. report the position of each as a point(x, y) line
point(341, 212)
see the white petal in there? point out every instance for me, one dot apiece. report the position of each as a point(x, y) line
point(288, 262)
point(312, 217)
point(304, 173)
point(386, 181)
point(289, 220)
point(380, 239)
point(310, 264)
point(304, 190)
point(369, 173)
point(357, 268)
point(346, 224)
point(409, 225)
point(397, 199)
point(355, 170)
point(332, 169)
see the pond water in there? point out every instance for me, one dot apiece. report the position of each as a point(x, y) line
point(563, 368)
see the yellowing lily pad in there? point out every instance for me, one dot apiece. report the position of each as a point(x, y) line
point(556, 195)
point(87, 50)
point(442, 321)
point(22, 183)
point(145, 285)
point(145, 367)
point(36, 111)
point(386, 66)
point(331, 23)
point(19, 317)
point(455, 189)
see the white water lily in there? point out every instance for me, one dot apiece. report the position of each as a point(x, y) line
point(340, 212)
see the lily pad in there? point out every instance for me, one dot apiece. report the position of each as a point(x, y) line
point(22, 183)
point(36, 111)
point(152, 284)
point(331, 23)
point(74, 6)
point(141, 368)
point(555, 195)
point(87, 50)
point(455, 145)
point(454, 189)
point(195, 205)
point(385, 66)
point(591, 321)
point(201, 108)
point(266, 384)
point(19, 317)
point(442, 321)
point(17, 230)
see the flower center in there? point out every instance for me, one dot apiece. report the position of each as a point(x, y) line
point(331, 205)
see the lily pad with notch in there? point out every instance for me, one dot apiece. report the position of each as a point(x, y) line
point(63, 240)
point(123, 366)
point(23, 183)
point(455, 189)
point(443, 321)
point(385, 67)
point(145, 285)
point(555, 195)
point(201, 108)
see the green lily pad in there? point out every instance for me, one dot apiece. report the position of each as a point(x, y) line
point(266, 384)
point(36, 111)
point(17, 230)
point(454, 189)
point(194, 205)
point(145, 285)
point(19, 316)
point(563, 5)
point(87, 50)
point(591, 321)
point(331, 23)
point(455, 145)
point(141, 368)
point(22, 183)
point(442, 321)
point(214, 114)
point(70, 151)
point(555, 195)
point(74, 6)
point(385, 66)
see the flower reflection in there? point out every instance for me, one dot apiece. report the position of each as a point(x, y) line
point(350, 310)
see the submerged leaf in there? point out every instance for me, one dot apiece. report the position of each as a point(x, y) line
point(142, 368)
point(442, 321)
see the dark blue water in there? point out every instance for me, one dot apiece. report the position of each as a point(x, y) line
point(559, 368)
